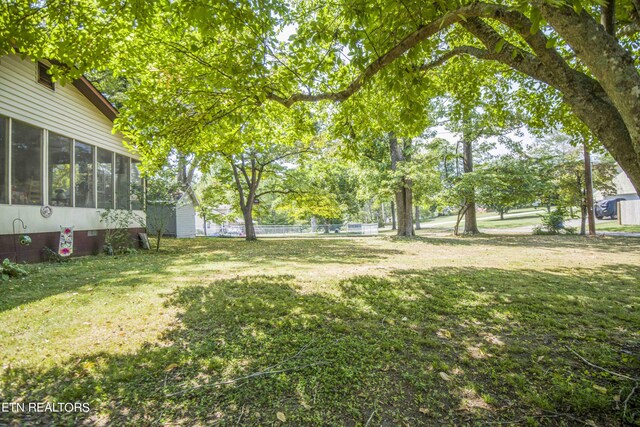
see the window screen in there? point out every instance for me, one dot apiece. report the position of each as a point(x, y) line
point(4, 167)
point(122, 182)
point(84, 175)
point(136, 186)
point(26, 164)
point(105, 179)
point(59, 169)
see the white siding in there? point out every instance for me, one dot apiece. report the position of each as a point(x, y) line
point(80, 218)
point(629, 212)
point(65, 111)
point(623, 184)
point(185, 219)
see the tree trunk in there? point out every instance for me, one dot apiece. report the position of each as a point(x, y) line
point(588, 180)
point(417, 217)
point(583, 206)
point(393, 216)
point(461, 213)
point(470, 222)
point(249, 229)
point(404, 195)
point(246, 204)
point(610, 105)
point(608, 17)
point(501, 214)
point(614, 69)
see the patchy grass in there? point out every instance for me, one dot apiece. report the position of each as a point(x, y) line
point(511, 222)
point(384, 331)
point(490, 217)
point(614, 226)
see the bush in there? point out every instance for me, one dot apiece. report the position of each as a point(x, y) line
point(553, 223)
point(117, 238)
point(10, 269)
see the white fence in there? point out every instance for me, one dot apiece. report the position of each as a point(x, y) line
point(286, 230)
point(629, 212)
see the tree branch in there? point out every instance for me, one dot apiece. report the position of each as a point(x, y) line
point(284, 156)
point(374, 68)
point(515, 20)
point(608, 17)
point(635, 13)
point(460, 50)
point(238, 183)
point(629, 30)
point(243, 169)
point(285, 192)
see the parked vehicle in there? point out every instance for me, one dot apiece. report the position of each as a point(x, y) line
point(607, 208)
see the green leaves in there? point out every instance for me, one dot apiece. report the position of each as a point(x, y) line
point(536, 20)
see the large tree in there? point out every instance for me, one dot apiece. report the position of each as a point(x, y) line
point(559, 43)
point(507, 182)
point(475, 106)
point(198, 63)
point(256, 171)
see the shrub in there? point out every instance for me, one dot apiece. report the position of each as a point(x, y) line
point(553, 223)
point(10, 269)
point(117, 238)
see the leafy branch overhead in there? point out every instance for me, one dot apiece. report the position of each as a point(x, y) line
point(200, 70)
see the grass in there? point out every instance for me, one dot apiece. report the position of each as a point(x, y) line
point(384, 331)
point(519, 218)
point(511, 222)
point(449, 220)
point(614, 226)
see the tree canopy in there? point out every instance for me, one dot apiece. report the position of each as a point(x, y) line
point(198, 69)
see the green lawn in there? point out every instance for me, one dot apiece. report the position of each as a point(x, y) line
point(361, 331)
point(613, 226)
point(516, 218)
point(511, 222)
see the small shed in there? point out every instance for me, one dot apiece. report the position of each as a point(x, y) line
point(176, 218)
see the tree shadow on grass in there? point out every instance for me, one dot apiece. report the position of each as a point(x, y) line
point(129, 271)
point(420, 347)
point(278, 250)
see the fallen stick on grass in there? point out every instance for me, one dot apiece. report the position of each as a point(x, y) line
point(246, 377)
point(601, 368)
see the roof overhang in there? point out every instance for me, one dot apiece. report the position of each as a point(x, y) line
point(92, 94)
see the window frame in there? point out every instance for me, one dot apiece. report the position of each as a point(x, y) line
point(93, 173)
point(113, 178)
point(7, 160)
point(42, 164)
point(44, 169)
point(71, 165)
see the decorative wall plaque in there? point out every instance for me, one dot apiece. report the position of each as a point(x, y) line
point(46, 211)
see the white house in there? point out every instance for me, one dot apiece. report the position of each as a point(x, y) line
point(624, 188)
point(60, 163)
